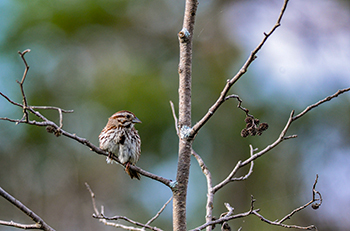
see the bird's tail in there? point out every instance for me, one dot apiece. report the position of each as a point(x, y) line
point(132, 173)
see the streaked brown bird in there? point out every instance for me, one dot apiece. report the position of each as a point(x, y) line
point(120, 138)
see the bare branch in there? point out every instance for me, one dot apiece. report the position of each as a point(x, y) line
point(159, 212)
point(92, 194)
point(210, 195)
point(12, 102)
point(283, 225)
point(97, 150)
point(175, 118)
point(185, 142)
point(103, 219)
point(20, 226)
point(25, 104)
point(316, 199)
point(328, 98)
point(223, 219)
point(239, 103)
point(250, 169)
point(241, 72)
point(315, 202)
point(40, 223)
point(231, 177)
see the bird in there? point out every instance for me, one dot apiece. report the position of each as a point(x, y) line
point(120, 138)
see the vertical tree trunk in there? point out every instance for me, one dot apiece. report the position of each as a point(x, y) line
point(185, 144)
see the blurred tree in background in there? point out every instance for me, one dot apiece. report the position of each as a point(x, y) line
point(98, 57)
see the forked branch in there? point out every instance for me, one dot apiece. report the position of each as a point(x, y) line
point(39, 222)
point(315, 203)
point(104, 219)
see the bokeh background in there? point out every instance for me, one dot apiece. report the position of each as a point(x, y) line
point(98, 57)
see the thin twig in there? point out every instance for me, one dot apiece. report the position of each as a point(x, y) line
point(25, 103)
point(239, 103)
point(12, 102)
point(20, 226)
point(175, 117)
point(103, 219)
point(159, 212)
point(92, 195)
point(316, 202)
point(328, 98)
point(316, 199)
point(60, 110)
point(283, 225)
point(114, 218)
point(241, 72)
point(38, 220)
point(210, 194)
point(250, 168)
point(223, 219)
point(231, 177)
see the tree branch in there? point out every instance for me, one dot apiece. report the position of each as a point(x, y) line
point(20, 226)
point(231, 178)
point(40, 223)
point(103, 219)
point(316, 202)
point(210, 194)
point(25, 104)
point(159, 212)
point(185, 142)
point(328, 98)
point(175, 118)
point(241, 72)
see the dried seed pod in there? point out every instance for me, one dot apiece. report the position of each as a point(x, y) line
point(263, 126)
point(256, 121)
point(244, 133)
point(248, 121)
point(252, 131)
point(50, 129)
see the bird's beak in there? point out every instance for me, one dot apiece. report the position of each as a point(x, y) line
point(136, 120)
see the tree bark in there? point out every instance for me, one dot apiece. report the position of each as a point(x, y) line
point(184, 124)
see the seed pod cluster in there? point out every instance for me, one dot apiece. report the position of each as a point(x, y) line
point(253, 127)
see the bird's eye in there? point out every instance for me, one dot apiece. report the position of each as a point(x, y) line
point(128, 116)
